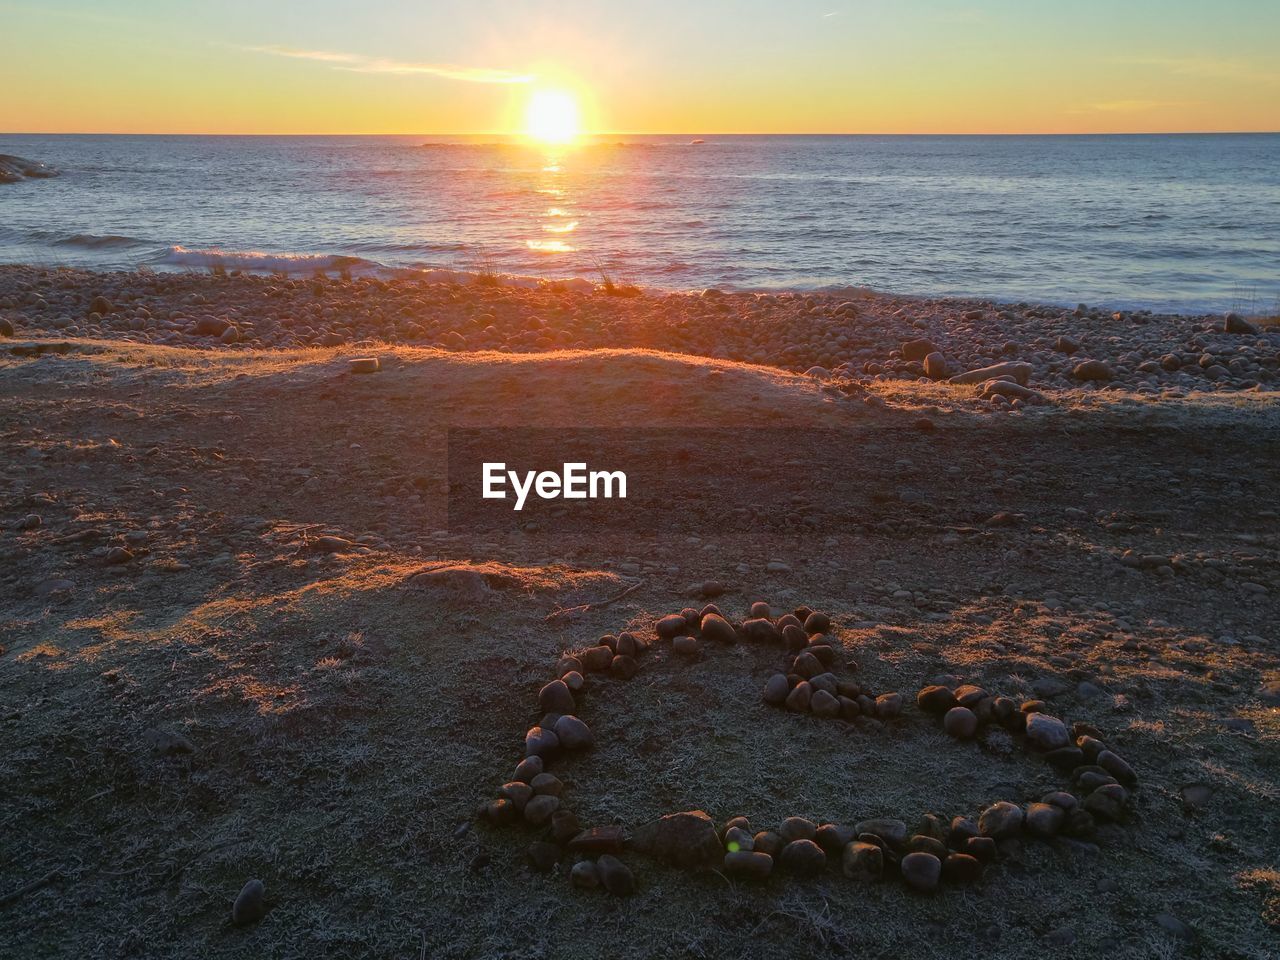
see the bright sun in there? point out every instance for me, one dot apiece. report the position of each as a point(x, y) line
point(552, 116)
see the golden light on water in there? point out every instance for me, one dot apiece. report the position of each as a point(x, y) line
point(553, 116)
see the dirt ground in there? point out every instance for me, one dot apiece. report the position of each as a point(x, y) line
point(197, 689)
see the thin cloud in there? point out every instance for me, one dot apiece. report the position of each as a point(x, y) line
point(833, 13)
point(1132, 106)
point(355, 63)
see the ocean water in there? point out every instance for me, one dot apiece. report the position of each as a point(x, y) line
point(1178, 222)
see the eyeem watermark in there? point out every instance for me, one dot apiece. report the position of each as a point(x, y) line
point(573, 482)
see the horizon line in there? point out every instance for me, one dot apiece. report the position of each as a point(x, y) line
point(664, 133)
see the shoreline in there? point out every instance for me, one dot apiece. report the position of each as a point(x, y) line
point(1015, 354)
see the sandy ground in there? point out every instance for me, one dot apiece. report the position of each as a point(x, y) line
point(198, 689)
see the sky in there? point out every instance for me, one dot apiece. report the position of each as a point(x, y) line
point(640, 66)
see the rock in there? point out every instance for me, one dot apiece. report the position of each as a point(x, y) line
point(1115, 766)
point(767, 841)
point(776, 689)
point(748, 864)
point(797, 828)
point(672, 626)
point(6, 327)
point(982, 849)
point(547, 784)
point(584, 875)
point(1234, 323)
point(960, 722)
point(101, 306)
point(834, 837)
point(935, 699)
point(918, 349)
point(250, 905)
point(518, 793)
point(970, 695)
point(556, 697)
point(595, 659)
point(1046, 732)
point(738, 838)
point(615, 876)
point(573, 733)
point(500, 812)
point(598, 840)
point(1000, 820)
point(921, 871)
point(807, 665)
point(1044, 819)
point(688, 840)
point(804, 858)
point(540, 742)
point(823, 704)
point(528, 768)
point(760, 610)
point(1065, 345)
point(118, 555)
point(761, 630)
point(717, 629)
point(624, 667)
point(685, 646)
point(1092, 370)
point(1107, 801)
point(962, 868)
point(542, 856)
point(889, 706)
point(862, 861)
point(363, 364)
point(800, 696)
point(539, 809)
point(817, 623)
point(1019, 371)
point(892, 832)
point(1065, 758)
point(565, 825)
point(935, 366)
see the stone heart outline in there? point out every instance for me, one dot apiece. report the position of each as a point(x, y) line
point(956, 852)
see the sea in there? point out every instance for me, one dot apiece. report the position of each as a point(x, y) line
point(1185, 223)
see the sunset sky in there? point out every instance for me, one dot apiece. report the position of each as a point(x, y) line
point(661, 66)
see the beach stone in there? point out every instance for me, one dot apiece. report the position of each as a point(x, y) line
point(823, 704)
point(807, 665)
point(982, 849)
point(584, 875)
point(596, 659)
point(556, 697)
point(969, 695)
point(918, 349)
point(540, 742)
point(738, 838)
point(1046, 732)
point(800, 696)
point(567, 665)
point(794, 637)
point(624, 667)
point(797, 828)
point(862, 861)
point(717, 629)
point(356, 365)
point(804, 858)
point(501, 811)
point(565, 825)
point(1000, 820)
point(961, 868)
point(101, 305)
point(776, 689)
point(817, 623)
point(1044, 819)
point(760, 610)
point(892, 832)
point(6, 327)
point(1107, 801)
point(1234, 323)
point(1095, 370)
point(597, 840)
point(1019, 371)
point(935, 366)
point(1065, 758)
point(767, 841)
point(671, 626)
point(935, 699)
point(615, 876)
point(960, 723)
point(1115, 766)
point(518, 793)
point(527, 769)
point(748, 864)
point(889, 706)
point(1066, 345)
point(922, 871)
point(834, 837)
point(687, 840)
point(542, 856)
point(960, 830)
point(250, 905)
point(573, 733)
point(547, 784)
point(685, 646)
point(539, 809)
point(761, 630)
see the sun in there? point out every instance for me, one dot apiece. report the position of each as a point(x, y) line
point(552, 116)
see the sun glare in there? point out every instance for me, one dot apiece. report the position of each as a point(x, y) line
point(552, 116)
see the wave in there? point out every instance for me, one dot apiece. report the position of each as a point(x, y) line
point(95, 241)
point(258, 261)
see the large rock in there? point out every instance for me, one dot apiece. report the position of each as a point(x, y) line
point(1093, 370)
point(1000, 820)
point(13, 169)
point(1046, 732)
point(687, 840)
point(1020, 371)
